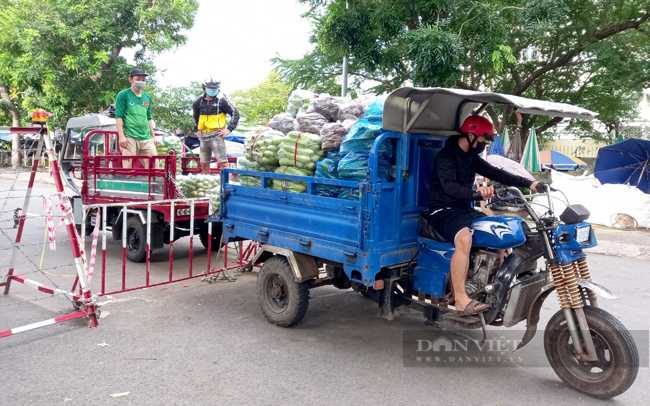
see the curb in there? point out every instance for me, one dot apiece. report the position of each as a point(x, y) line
point(41, 177)
point(613, 249)
point(608, 243)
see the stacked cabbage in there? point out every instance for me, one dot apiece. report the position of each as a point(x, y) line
point(170, 143)
point(262, 146)
point(253, 181)
point(299, 101)
point(291, 185)
point(298, 155)
point(200, 185)
point(301, 150)
point(215, 201)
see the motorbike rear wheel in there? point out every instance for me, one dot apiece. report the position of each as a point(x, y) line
point(618, 358)
point(283, 301)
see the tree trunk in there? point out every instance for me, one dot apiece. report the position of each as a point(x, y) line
point(15, 122)
point(106, 66)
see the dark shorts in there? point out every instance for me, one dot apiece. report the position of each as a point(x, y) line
point(448, 222)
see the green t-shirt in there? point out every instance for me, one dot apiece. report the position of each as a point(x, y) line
point(135, 112)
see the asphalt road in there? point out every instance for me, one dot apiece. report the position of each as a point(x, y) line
point(195, 343)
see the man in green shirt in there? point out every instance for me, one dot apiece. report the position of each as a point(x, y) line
point(135, 129)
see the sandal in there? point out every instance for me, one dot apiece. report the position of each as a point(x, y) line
point(471, 309)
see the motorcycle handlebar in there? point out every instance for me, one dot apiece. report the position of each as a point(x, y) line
point(500, 190)
point(477, 196)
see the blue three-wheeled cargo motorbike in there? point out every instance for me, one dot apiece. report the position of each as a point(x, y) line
point(378, 244)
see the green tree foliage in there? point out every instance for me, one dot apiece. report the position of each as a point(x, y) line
point(172, 107)
point(263, 101)
point(590, 53)
point(64, 55)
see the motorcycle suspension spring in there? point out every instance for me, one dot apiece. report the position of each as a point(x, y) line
point(584, 273)
point(583, 290)
point(573, 289)
point(560, 286)
point(583, 268)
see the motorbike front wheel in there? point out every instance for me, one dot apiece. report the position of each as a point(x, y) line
point(618, 358)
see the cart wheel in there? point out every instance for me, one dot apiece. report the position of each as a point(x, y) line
point(284, 301)
point(116, 230)
point(89, 230)
point(217, 230)
point(136, 240)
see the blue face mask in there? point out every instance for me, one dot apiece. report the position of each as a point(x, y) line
point(212, 92)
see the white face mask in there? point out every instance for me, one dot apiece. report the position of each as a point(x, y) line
point(139, 84)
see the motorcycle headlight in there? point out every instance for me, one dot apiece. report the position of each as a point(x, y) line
point(582, 234)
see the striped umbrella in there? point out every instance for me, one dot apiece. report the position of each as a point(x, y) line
point(514, 151)
point(561, 162)
point(505, 140)
point(530, 160)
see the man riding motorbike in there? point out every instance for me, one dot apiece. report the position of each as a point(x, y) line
point(451, 196)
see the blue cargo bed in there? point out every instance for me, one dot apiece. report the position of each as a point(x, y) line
point(362, 236)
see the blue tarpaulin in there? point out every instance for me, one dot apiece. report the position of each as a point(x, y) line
point(496, 147)
point(626, 162)
point(235, 136)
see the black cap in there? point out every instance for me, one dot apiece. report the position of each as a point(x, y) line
point(137, 72)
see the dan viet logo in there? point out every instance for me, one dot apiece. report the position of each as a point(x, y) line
point(441, 344)
point(465, 351)
point(458, 348)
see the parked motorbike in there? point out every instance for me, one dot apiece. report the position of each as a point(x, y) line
point(588, 348)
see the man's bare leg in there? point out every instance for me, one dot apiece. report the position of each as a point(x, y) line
point(205, 168)
point(502, 255)
point(459, 266)
point(225, 165)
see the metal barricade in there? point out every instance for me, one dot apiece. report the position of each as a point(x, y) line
point(86, 305)
point(144, 211)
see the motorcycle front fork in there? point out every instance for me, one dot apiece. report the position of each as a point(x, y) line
point(572, 299)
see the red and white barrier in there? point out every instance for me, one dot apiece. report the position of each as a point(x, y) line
point(84, 299)
point(45, 289)
point(84, 270)
point(44, 323)
point(23, 216)
point(133, 209)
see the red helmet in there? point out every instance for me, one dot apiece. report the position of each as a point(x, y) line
point(478, 125)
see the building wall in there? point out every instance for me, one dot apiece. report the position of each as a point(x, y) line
point(579, 148)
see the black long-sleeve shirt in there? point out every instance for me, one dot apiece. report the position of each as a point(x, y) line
point(210, 115)
point(453, 176)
